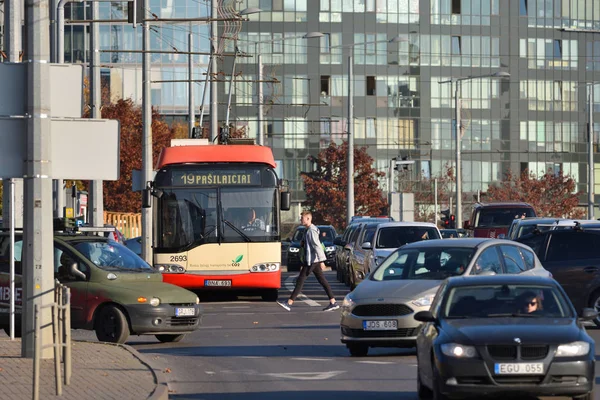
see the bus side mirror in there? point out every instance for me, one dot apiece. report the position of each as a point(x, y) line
point(146, 198)
point(286, 200)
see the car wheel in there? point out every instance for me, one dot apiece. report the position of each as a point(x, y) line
point(358, 350)
point(595, 303)
point(437, 394)
point(422, 391)
point(170, 338)
point(111, 325)
point(270, 295)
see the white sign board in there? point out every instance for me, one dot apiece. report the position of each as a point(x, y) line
point(66, 90)
point(86, 149)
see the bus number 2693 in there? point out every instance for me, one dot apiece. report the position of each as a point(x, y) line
point(178, 258)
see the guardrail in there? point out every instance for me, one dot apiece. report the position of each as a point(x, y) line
point(61, 332)
point(130, 224)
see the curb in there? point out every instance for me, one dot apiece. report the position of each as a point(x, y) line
point(161, 391)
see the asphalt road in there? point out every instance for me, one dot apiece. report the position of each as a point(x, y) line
point(247, 349)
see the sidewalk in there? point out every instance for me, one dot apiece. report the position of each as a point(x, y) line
point(100, 371)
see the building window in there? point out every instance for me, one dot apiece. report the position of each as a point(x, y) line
point(371, 86)
point(456, 45)
point(370, 128)
point(455, 6)
point(557, 49)
point(325, 85)
point(523, 7)
point(326, 43)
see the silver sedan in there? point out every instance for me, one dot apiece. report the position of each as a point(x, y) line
point(380, 311)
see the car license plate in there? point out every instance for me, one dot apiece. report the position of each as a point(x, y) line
point(185, 312)
point(387, 325)
point(519, 369)
point(217, 283)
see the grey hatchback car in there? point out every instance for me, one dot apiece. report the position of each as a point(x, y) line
point(380, 311)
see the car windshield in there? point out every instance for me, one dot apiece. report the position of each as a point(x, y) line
point(112, 255)
point(397, 236)
point(326, 234)
point(494, 217)
point(431, 263)
point(299, 234)
point(495, 301)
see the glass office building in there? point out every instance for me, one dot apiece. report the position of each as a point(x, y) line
point(536, 119)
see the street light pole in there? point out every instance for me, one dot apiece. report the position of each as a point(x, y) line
point(458, 169)
point(259, 91)
point(146, 138)
point(350, 189)
point(591, 152)
point(214, 105)
point(191, 102)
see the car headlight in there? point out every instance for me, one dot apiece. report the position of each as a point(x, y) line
point(348, 302)
point(197, 300)
point(573, 349)
point(424, 301)
point(265, 267)
point(155, 301)
point(330, 248)
point(169, 268)
point(293, 249)
point(458, 350)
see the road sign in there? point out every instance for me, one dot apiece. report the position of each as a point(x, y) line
point(66, 90)
point(84, 149)
point(69, 213)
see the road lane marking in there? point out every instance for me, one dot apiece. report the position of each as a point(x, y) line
point(376, 362)
point(311, 359)
point(307, 376)
point(289, 285)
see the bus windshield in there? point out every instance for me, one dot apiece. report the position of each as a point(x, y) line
point(193, 216)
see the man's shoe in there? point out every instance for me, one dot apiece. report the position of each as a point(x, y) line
point(285, 305)
point(332, 307)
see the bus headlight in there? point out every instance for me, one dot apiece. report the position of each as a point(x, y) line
point(170, 268)
point(265, 267)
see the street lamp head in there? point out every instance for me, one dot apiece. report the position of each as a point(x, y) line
point(397, 39)
point(250, 10)
point(311, 35)
point(501, 74)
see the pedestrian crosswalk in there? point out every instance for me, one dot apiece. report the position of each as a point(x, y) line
point(312, 292)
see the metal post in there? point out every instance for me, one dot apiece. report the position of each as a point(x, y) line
point(591, 153)
point(146, 139)
point(458, 158)
point(12, 29)
point(391, 177)
point(12, 259)
point(214, 105)
point(350, 194)
point(96, 201)
point(38, 254)
point(56, 349)
point(36, 353)
point(191, 105)
point(206, 82)
point(67, 332)
point(435, 202)
point(259, 91)
point(230, 90)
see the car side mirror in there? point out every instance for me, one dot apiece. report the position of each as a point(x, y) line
point(424, 316)
point(466, 224)
point(367, 246)
point(74, 271)
point(285, 201)
point(588, 314)
point(146, 198)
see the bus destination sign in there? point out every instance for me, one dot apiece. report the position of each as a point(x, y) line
point(217, 178)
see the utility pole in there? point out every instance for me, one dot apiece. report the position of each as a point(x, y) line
point(214, 99)
point(191, 105)
point(96, 201)
point(146, 138)
point(435, 201)
point(591, 152)
point(259, 91)
point(38, 254)
point(350, 189)
point(458, 168)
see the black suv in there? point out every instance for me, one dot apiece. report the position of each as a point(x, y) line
point(326, 233)
point(573, 258)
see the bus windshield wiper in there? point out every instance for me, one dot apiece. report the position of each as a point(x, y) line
point(235, 228)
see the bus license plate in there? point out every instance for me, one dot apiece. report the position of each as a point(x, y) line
point(387, 325)
point(519, 369)
point(217, 283)
point(185, 312)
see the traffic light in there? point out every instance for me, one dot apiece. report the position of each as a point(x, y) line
point(452, 224)
point(445, 219)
